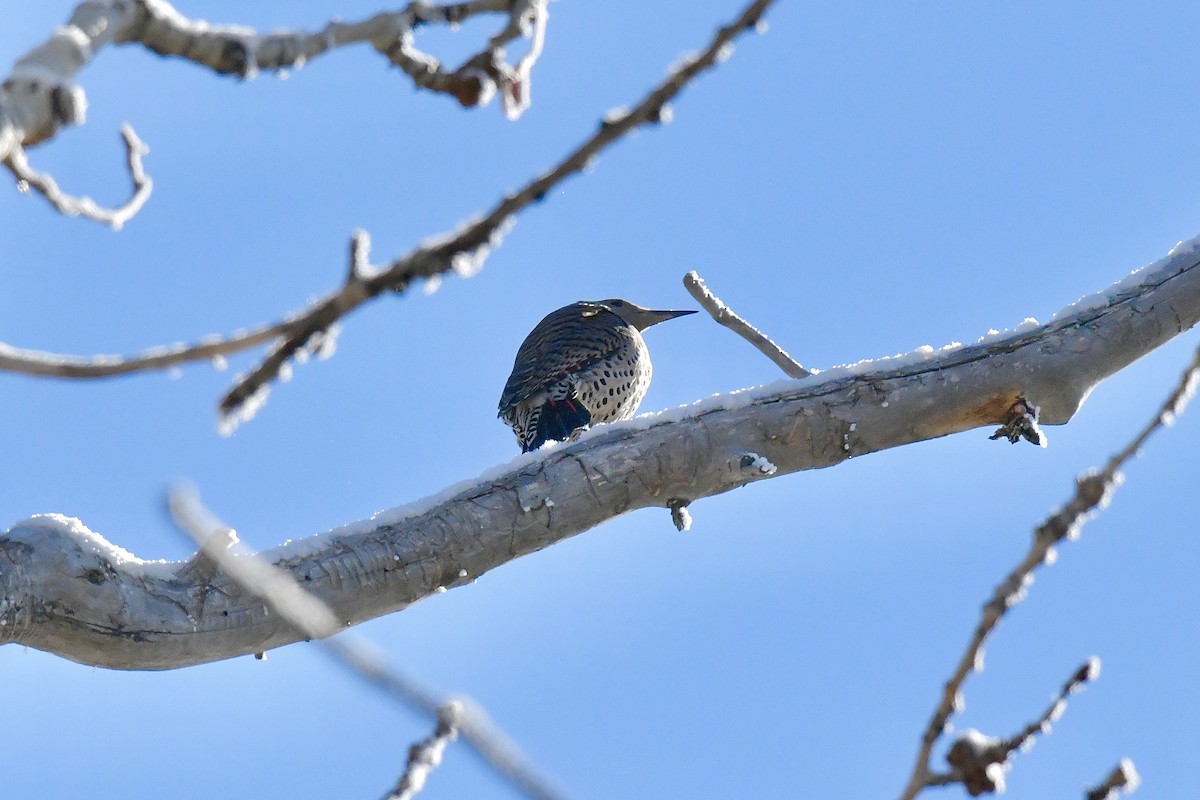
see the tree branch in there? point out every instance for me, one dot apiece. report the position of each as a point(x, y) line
point(724, 315)
point(44, 184)
point(40, 96)
point(311, 619)
point(67, 590)
point(462, 251)
point(1124, 779)
point(426, 755)
point(979, 762)
point(1092, 491)
point(465, 250)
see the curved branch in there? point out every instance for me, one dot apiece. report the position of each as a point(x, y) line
point(67, 590)
point(44, 184)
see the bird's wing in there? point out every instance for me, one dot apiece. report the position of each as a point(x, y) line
point(562, 344)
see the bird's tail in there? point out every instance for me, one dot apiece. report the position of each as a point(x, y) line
point(558, 420)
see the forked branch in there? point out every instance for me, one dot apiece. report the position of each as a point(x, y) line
point(1092, 492)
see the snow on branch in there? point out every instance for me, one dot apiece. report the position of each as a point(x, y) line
point(724, 315)
point(40, 97)
point(1092, 492)
point(1123, 779)
point(67, 590)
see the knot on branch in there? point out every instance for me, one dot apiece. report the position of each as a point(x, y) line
point(980, 760)
point(680, 514)
point(1021, 422)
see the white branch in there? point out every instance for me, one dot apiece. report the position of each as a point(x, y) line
point(725, 315)
point(67, 590)
point(44, 184)
point(40, 97)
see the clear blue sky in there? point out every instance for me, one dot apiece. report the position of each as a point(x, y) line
point(862, 180)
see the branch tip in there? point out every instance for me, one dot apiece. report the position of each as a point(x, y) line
point(724, 315)
point(1123, 779)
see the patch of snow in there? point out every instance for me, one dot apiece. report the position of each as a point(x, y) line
point(761, 463)
point(1181, 256)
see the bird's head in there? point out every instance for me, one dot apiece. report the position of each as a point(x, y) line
point(638, 317)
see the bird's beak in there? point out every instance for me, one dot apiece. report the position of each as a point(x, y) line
point(655, 317)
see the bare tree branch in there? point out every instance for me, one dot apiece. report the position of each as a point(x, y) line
point(1092, 491)
point(40, 96)
point(979, 761)
point(465, 250)
point(313, 620)
point(56, 365)
point(426, 755)
point(1124, 779)
point(43, 183)
point(67, 590)
point(725, 316)
point(462, 251)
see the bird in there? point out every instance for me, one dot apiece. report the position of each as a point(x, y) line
point(583, 364)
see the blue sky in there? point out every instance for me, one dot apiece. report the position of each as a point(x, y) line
point(861, 180)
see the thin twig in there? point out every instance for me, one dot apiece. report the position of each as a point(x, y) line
point(426, 755)
point(45, 185)
point(1124, 779)
point(979, 761)
point(57, 365)
point(285, 597)
point(1092, 491)
point(465, 250)
point(725, 316)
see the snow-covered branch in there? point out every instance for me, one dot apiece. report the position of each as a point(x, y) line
point(1123, 779)
point(40, 96)
point(67, 590)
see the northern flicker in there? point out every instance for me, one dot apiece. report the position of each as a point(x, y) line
point(584, 363)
